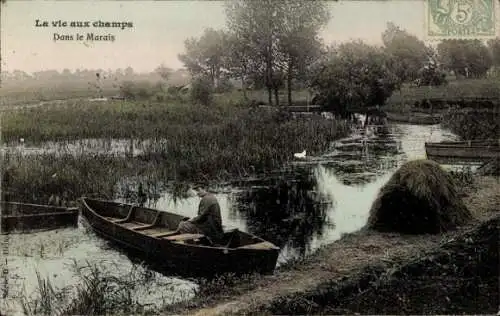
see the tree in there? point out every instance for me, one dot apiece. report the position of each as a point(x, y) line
point(354, 75)
point(206, 56)
point(298, 38)
point(431, 75)
point(469, 58)
point(279, 35)
point(409, 53)
point(129, 72)
point(239, 61)
point(164, 72)
point(257, 24)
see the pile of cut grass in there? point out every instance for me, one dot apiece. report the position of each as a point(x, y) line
point(419, 198)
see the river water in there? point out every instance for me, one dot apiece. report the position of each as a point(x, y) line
point(312, 202)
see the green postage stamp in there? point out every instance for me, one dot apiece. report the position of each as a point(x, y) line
point(461, 18)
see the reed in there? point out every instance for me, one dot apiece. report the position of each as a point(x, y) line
point(179, 143)
point(100, 292)
point(458, 89)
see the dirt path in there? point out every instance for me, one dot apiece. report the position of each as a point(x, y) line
point(348, 256)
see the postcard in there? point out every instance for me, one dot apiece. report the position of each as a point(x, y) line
point(249, 157)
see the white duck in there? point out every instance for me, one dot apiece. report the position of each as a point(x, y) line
point(300, 155)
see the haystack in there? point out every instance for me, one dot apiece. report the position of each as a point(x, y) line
point(419, 198)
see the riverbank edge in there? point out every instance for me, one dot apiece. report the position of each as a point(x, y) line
point(350, 264)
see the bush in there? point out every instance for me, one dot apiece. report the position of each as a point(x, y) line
point(419, 198)
point(202, 91)
point(356, 75)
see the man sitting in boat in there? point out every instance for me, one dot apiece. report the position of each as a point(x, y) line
point(208, 221)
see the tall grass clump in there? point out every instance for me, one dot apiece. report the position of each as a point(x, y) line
point(100, 292)
point(473, 124)
point(419, 198)
point(35, 178)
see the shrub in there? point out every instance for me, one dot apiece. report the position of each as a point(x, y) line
point(202, 91)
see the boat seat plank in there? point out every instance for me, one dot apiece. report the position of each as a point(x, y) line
point(156, 230)
point(182, 237)
point(160, 233)
point(260, 245)
point(113, 219)
point(133, 224)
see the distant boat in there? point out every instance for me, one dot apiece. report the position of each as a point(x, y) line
point(467, 151)
point(414, 118)
point(151, 234)
point(26, 217)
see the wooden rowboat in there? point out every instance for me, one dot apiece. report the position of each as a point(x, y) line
point(26, 217)
point(466, 151)
point(414, 118)
point(151, 234)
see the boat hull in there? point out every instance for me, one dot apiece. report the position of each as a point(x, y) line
point(479, 151)
point(413, 118)
point(25, 217)
point(181, 258)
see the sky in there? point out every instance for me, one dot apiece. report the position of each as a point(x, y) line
point(159, 30)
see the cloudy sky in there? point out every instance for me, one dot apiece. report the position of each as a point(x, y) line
point(159, 30)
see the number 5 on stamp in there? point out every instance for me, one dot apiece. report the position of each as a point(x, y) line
point(462, 19)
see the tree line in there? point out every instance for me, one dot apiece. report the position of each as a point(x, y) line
point(273, 45)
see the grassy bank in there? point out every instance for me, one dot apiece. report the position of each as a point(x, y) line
point(465, 88)
point(461, 276)
point(472, 124)
point(187, 143)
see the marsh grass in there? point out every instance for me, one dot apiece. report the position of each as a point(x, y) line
point(469, 88)
point(99, 292)
point(35, 178)
point(185, 143)
point(473, 124)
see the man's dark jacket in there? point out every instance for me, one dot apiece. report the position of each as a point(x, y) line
point(209, 219)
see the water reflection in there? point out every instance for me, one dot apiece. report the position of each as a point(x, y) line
point(288, 213)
